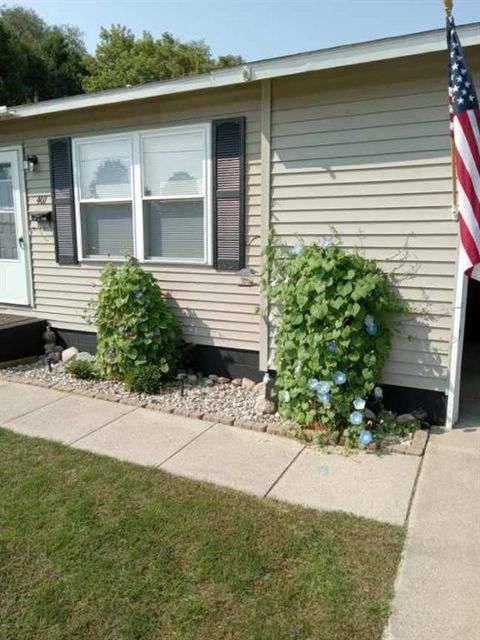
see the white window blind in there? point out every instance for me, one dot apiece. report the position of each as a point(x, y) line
point(107, 229)
point(174, 229)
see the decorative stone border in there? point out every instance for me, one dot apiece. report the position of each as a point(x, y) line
point(417, 446)
point(414, 448)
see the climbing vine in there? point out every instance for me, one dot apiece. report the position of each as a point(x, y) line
point(335, 313)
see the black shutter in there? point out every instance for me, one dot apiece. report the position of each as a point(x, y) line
point(63, 201)
point(229, 193)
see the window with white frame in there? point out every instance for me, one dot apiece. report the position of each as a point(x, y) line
point(144, 194)
point(105, 195)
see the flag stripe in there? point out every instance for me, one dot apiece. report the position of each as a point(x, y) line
point(469, 243)
point(466, 132)
point(469, 213)
point(475, 132)
point(464, 118)
point(467, 169)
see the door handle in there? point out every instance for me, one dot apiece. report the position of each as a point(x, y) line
point(20, 241)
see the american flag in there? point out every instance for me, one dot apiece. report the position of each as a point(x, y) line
point(465, 129)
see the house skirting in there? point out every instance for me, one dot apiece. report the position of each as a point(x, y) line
point(406, 399)
point(232, 363)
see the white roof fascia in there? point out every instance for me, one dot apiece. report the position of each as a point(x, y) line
point(345, 55)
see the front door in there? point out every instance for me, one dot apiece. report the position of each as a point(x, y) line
point(13, 243)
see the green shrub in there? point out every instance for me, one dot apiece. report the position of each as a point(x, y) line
point(82, 369)
point(146, 378)
point(135, 325)
point(337, 312)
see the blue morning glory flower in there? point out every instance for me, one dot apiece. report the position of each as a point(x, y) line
point(323, 387)
point(323, 398)
point(378, 393)
point(332, 346)
point(298, 247)
point(284, 396)
point(371, 325)
point(327, 242)
point(313, 384)
point(372, 329)
point(339, 377)
point(365, 438)
point(359, 404)
point(139, 294)
point(356, 418)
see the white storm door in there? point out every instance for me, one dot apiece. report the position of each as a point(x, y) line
point(13, 243)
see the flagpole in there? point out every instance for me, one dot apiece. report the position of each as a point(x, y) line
point(448, 4)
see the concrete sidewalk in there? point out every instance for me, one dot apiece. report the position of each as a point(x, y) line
point(437, 593)
point(258, 463)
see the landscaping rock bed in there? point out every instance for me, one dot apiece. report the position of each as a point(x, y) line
point(238, 402)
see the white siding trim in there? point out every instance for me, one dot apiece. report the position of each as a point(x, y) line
point(456, 345)
point(266, 156)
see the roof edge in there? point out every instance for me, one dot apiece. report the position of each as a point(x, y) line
point(340, 56)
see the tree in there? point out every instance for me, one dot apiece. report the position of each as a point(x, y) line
point(121, 59)
point(62, 64)
point(38, 61)
point(14, 67)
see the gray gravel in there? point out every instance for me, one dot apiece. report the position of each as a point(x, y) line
point(206, 396)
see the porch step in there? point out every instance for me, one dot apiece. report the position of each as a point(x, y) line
point(20, 337)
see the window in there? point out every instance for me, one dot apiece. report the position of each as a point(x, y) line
point(105, 197)
point(144, 194)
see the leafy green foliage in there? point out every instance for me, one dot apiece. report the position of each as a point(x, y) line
point(135, 325)
point(82, 369)
point(38, 61)
point(122, 59)
point(147, 378)
point(337, 313)
point(387, 425)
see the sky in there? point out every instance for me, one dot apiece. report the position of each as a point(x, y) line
point(255, 29)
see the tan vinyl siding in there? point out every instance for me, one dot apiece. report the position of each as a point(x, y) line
point(366, 154)
point(215, 310)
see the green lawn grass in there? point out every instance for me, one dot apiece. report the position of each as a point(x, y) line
point(92, 548)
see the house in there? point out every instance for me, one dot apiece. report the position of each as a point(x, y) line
point(191, 174)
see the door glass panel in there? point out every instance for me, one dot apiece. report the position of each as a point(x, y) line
point(5, 171)
point(8, 235)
